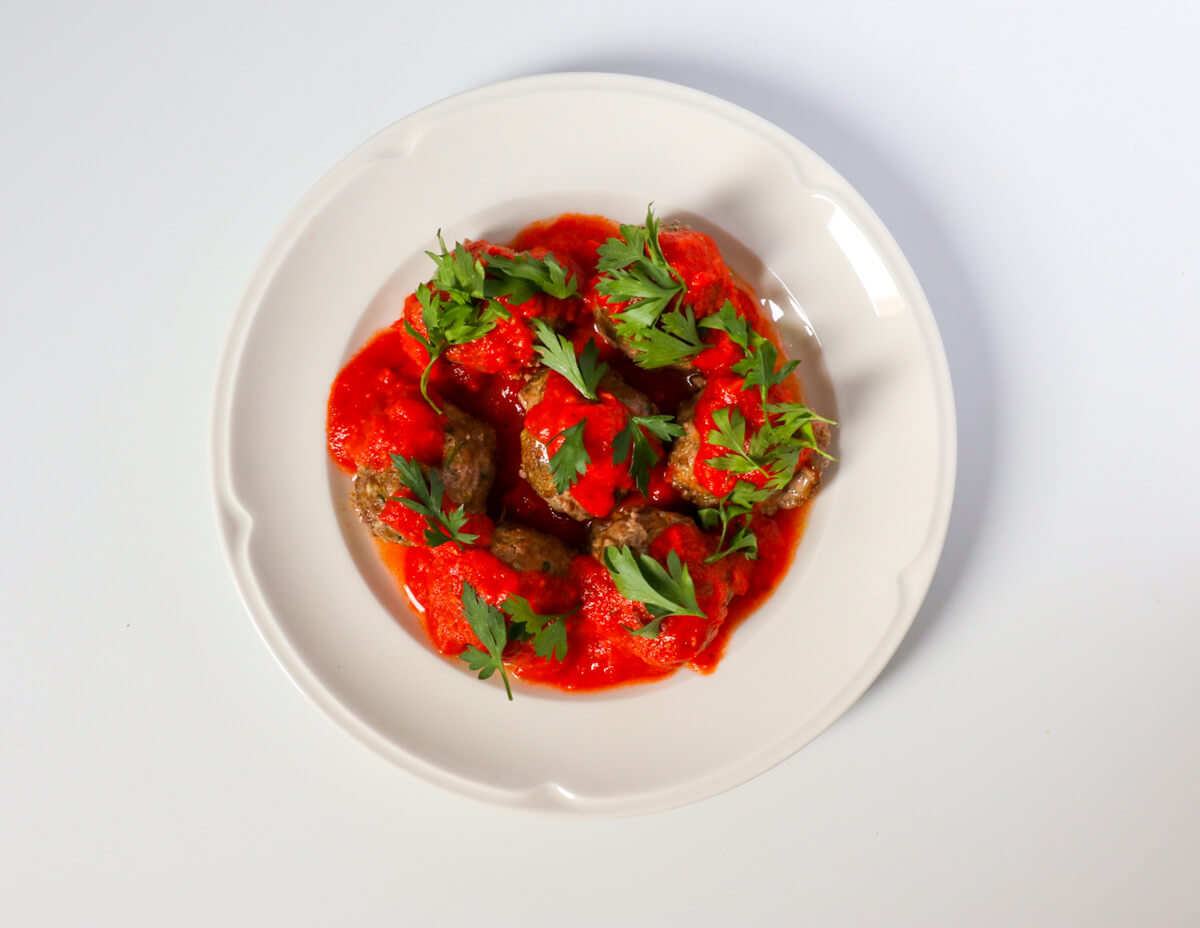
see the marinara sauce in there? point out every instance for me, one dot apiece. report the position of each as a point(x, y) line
point(376, 410)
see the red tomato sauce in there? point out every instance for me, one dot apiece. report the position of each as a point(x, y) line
point(563, 407)
point(778, 537)
point(376, 410)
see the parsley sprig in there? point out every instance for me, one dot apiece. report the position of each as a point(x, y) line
point(487, 622)
point(758, 367)
point(775, 447)
point(632, 440)
point(454, 310)
point(636, 271)
point(521, 277)
point(729, 432)
point(727, 320)
point(734, 506)
point(663, 591)
point(676, 338)
point(462, 304)
point(633, 270)
point(772, 450)
point(570, 461)
point(584, 371)
point(547, 632)
point(440, 527)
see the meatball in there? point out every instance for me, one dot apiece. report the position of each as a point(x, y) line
point(523, 548)
point(680, 638)
point(468, 459)
point(803, 486)
point(637, 403)
point(694, 257)
point(682, 460)
point(535, 456)
point(370, 493)
point(509, 346)
point(635, 527)
point(467, 470)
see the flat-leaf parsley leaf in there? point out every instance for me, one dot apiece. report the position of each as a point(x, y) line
point(547, 632)
point(634, 271)
point(631, 438)
point(520, 277)
point(570, 461)
point(461, 306)
point(737, 504)
point(642, 579)
point(487, 622)
point(441, 527)
point(584, 371)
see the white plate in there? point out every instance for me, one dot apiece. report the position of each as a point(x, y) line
point(481, 165)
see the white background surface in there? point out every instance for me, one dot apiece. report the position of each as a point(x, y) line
point(1030, 756)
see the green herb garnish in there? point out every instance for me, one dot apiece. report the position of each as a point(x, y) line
point(462, 304)
point(584, 371)
point(520, 277)
point(487, 622)
point(440, 527)
point(634, 271)
point(727, 320)
point(547, 632)
point(642, 579)
point(570, 461)
point(738, 503)
point(454, 310)
point(758, 367)
point(729, 432)
point(775, 447)
point(675, 338)
point(631, 439)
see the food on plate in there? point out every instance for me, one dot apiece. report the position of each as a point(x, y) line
point(568, 444)
point(464, 474)
point(633, 527)
point(583, 453)
point(727, 417)
point(525, 548)
point(653, 288)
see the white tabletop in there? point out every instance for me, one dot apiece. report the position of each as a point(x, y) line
point(1030, 756)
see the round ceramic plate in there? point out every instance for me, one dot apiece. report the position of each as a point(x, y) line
point(481, 165)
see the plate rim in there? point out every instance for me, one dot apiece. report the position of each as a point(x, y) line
point(235, 522)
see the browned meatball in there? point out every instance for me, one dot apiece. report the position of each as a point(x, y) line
point(636, 527)
point(468, 459)
point(696, 260)
point(803, 486)
point(535, 457)
point(369, 494)
point(523, 548)
point(682, 460)
point(467, 470)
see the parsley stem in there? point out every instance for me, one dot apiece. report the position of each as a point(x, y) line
point(720, 552)
point(425, 383)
